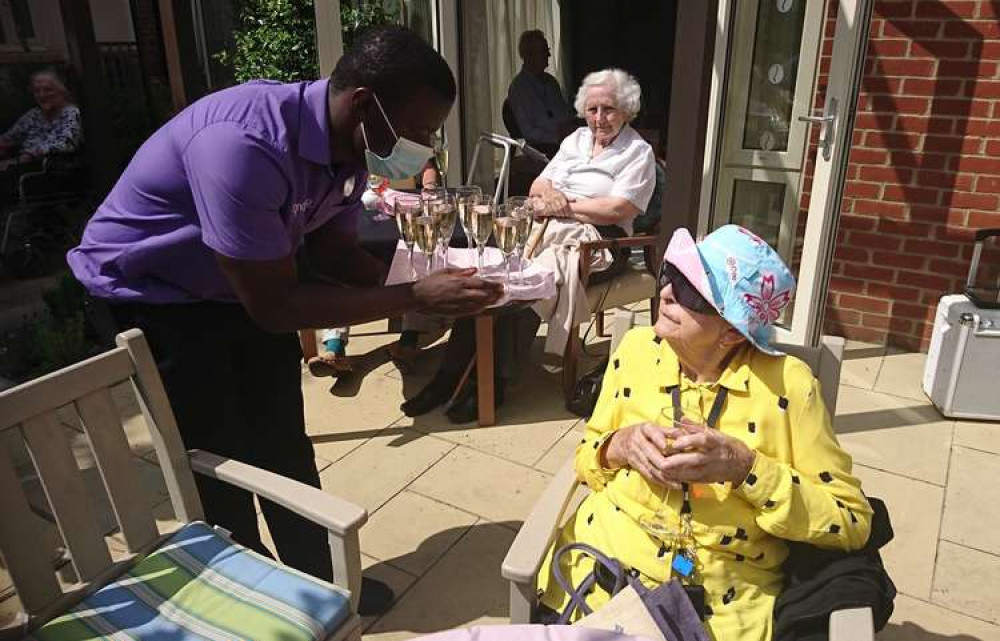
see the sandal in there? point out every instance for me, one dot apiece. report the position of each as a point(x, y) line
point(330, 364)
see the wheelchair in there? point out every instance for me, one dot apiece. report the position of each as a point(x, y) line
point(46, 217)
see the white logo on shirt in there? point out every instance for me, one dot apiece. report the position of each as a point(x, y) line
point(302, 207)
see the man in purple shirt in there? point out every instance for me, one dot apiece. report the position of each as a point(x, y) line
point(196, 245)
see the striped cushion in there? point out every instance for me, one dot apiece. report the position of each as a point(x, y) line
point(199, 585)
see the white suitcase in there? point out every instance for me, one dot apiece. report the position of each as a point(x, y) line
point(962, 375)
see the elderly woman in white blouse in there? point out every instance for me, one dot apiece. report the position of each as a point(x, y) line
point(602, 177)
point(604, 173)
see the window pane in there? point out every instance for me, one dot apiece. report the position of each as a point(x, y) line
point(758, 206)
point(773, 74)
point(22, 19)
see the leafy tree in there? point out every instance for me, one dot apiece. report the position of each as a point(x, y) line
point(277, 38)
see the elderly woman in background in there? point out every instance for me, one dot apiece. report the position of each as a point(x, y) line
point(602, 177)
point(51, 127)
point(709, 449)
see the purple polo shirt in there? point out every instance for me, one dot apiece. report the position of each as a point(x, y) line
point(244, 172)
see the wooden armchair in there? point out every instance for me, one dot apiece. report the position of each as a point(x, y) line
point(29, 414)
point(635, 284)
point(561, 498)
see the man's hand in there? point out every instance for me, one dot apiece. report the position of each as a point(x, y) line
point(455, 292)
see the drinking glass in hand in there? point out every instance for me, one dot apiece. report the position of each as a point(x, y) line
point(425, 231)
point(466, 196)
point(482, 227)
point(406, 208)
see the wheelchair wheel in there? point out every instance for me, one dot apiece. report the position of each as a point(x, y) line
point(25, 254)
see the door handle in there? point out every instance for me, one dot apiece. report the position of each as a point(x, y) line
point(828, 120)
point(817, 120)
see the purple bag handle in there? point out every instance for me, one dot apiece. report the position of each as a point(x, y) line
point(578, 595)
point(668, 604)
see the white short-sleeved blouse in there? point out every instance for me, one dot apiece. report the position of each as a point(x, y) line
point(625, 169)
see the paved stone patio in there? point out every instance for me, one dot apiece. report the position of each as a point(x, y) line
point(446, 501)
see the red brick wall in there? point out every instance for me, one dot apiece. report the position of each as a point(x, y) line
point(924, 170)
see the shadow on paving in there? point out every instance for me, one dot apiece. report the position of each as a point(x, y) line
point(909, 631)
point(462, 587)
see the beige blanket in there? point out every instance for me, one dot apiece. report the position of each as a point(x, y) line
point(559, 251)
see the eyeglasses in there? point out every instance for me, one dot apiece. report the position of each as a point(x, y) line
point(683, 291)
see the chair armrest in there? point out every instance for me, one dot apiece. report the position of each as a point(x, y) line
point(855, 624)
point(591, 247)
point(527, 552)
point(337, 515)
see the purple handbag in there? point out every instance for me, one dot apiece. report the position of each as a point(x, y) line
point(667, 604)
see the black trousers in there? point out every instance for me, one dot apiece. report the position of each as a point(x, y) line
point(236, 391)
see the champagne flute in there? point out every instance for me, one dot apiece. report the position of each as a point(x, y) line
point(406, 208)
point(446, 214)
point(662, 525)
point(525, 219)
point(465, 197)
point(482, 227)
point(505, 232)
point(425, 231)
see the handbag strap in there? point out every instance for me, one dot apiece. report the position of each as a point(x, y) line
point(578, 595)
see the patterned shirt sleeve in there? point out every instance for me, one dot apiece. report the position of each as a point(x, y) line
point(814, 498)
point(602, 424)
point(19, 131)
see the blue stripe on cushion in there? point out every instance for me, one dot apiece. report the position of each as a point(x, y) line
point(319, 600)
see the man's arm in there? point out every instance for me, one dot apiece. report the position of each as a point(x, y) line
point(271, 293)
point(335, 254)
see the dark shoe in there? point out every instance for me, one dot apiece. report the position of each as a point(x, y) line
point(404, 357)
point(436, 393)
point(465, 409)
point(376, 597)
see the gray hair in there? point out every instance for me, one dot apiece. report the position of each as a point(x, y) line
point(626, 88)
point(54, 76)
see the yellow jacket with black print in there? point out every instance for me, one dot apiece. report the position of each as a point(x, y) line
point(800, 488)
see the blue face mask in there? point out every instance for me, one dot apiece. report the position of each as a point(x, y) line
point(405, 160)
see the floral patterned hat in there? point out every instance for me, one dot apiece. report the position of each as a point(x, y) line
point(743, 278)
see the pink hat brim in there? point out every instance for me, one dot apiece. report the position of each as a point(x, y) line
point(682, 253)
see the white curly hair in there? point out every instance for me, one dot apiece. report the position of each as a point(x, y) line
point(628, 94)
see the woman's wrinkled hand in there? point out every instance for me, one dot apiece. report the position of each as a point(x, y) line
point(645, 448)
point(704, 455)
point(555, 204)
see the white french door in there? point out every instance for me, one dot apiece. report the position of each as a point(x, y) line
point(774, 54)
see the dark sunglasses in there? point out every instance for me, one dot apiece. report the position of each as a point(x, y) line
point(684, 292)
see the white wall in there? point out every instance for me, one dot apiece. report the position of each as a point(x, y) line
point(112, 21)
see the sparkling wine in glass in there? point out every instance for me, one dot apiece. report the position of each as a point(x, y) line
point(447, 215)
point(425, 231)
point(524, 216)
point(406, 208)
point(482, 227)
point(466, 196)
point(505, 232)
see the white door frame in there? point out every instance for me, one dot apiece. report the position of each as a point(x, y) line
point(844, 80)
point(850, 45)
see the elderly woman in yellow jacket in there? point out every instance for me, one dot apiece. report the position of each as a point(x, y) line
point(709, 449)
